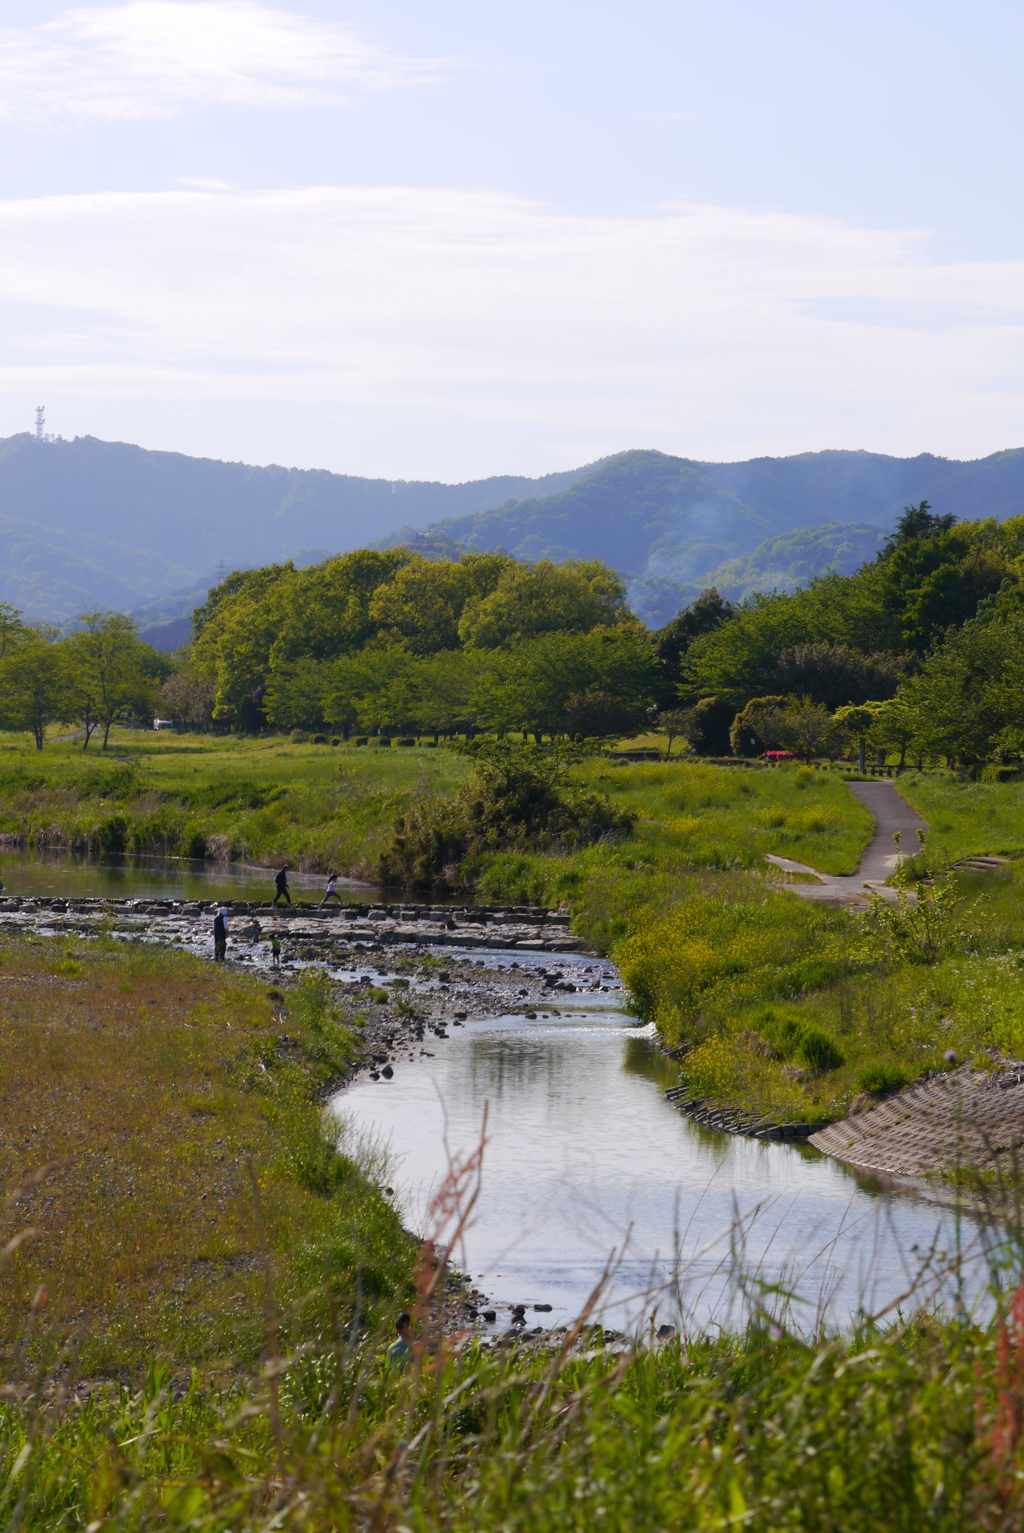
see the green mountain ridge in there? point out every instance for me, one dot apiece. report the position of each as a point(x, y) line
point(89, 523)
point(674, 526)
point(159, 521)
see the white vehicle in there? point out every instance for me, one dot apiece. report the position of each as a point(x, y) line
point(164, 723)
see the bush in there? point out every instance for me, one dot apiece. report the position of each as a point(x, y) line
point(361, 740)
point(406, 742)
point(382, 741)
point(318, 740)
point(517, 800)
point(298, 737)
point(335, 739)
point(819, 1051)
point(879, 1080)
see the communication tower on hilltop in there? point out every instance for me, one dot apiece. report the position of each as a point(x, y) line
point(40, 434)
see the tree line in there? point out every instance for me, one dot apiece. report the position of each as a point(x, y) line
point(91, 678)
point(918, 654)
point(396, 643)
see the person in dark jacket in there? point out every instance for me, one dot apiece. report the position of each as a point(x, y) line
point(281, 885)
point(220, 935)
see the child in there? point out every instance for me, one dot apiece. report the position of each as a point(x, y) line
point(275, 952)
point(332, 893)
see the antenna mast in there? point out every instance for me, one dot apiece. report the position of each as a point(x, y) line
point(40, 423)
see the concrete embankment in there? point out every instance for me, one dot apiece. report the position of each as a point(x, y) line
point(732, 1120)
point(966, 1117)
point(948, 1120)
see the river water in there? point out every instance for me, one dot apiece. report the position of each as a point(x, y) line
point(585, 1158)
point(62, 874)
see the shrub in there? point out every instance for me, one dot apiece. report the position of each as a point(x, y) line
point(517, 800)
point(878, 1080)
point(361, 740)
point(335, 739)
point(819, 1051)
point(406, 742)
point(111, 836)
point(298, 737)
point(382, 740)
point(318, 740)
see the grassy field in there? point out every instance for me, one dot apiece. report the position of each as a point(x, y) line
point(967, 817)
point(146, 1082)
point(787, 1007)
point(895, 1427)
point(225, 798)
point(265, 800)
point(142, 1387)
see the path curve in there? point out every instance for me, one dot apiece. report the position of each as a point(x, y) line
point(891, 813)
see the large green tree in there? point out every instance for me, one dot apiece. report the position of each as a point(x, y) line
point(542, 685)
point(110, 672)
point(533, 599)
point(34, 682)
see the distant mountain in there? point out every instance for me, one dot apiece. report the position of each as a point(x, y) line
point(778, 564)
point(794, 558)
point(87, 523)
point(674, 526)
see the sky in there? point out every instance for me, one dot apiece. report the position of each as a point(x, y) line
point(445, 241)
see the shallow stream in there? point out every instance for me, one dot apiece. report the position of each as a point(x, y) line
point(584, 1158)
point(65, 875)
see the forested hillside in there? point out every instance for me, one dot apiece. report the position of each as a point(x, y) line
point(87, 524)
point(676, 526)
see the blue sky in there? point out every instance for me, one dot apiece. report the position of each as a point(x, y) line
point(448, 240)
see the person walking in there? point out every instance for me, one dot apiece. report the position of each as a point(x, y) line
point(220, 935)
point(281, 885)
point(332, 892)
point(275, 951)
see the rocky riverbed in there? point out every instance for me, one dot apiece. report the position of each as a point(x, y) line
point(405, 968)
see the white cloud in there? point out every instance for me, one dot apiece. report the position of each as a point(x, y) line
point(483, 318)
point(152, 58)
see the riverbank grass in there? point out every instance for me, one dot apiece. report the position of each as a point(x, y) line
point(155, 1113)
point(218, 797)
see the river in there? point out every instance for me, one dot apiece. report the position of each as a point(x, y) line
point(585, 1158)
point(64, 875)
point(584, 1155)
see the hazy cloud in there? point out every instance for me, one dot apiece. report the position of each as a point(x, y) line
point(498, 326)
point(153, 58)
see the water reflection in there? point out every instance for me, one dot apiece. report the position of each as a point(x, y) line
point(585, 1155)
point(64, 875)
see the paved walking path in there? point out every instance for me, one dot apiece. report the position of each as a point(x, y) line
point(892, 813)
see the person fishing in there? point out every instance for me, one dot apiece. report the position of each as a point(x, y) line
point(281, 885)
point(332, 891)
point(220, 935)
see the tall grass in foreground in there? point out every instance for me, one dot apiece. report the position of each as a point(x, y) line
point(911, 1419)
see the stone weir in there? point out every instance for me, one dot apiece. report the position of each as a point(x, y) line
point(524, 927)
